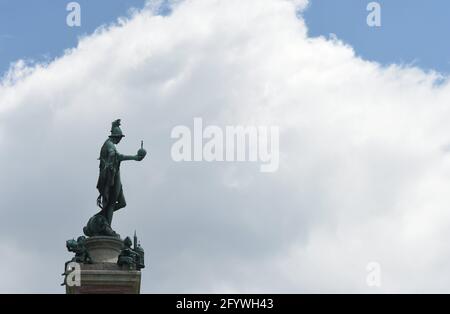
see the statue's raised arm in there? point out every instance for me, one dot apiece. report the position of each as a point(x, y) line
point(141, 153)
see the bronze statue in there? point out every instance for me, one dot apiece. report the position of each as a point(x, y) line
point(109, 185)
point(79, 248)
point(81, 254)
point(131, 258)
point(127, 256)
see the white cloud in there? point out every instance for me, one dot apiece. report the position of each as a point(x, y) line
point(363, 170)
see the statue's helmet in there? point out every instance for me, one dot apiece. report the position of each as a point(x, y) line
point(115, 129)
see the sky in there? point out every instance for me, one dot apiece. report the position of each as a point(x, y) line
point(410, 33)
point(364, 145)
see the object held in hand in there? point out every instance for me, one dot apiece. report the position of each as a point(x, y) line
point(142, 152)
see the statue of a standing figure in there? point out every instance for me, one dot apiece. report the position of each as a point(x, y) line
point(111, 196)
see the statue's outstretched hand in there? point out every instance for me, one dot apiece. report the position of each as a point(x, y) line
point(141, 152)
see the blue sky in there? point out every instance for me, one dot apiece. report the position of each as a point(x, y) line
point(412, 31)
point(37, 30)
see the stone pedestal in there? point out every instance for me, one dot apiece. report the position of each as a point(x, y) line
point(104, 249)
point(106, 278)
point(104, 275)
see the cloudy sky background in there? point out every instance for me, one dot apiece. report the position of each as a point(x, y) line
point(364, 172)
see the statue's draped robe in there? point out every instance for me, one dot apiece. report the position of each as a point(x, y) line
point(109, 184)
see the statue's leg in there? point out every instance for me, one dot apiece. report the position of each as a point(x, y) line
point(109, 213)
point(109, 208)
point(121, 203)
point(115, 195)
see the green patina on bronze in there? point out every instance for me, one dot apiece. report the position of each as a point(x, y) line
point(109, 185)
point(131, 258)
point(110, 199)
